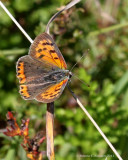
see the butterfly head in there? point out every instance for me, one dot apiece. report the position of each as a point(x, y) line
point(70, 75)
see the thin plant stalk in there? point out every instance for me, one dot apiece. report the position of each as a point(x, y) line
point(15, 21)
point(71, 4)
point(95, 124)
point(49, 131)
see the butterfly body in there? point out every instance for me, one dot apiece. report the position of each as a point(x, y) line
point(42, 74)
point(56, 76)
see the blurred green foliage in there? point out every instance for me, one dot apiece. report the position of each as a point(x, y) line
point(104, 68)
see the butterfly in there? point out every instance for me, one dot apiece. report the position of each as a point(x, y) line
point(42, 73)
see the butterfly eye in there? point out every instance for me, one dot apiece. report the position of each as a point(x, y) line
point(70, 75)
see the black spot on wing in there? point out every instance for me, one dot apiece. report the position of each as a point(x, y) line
point(54, 95)
point(56, 58)
point(19, 64)
point(41, 56)
point(57, 89)
point(40, 50)
point(50, 44)
point(52, 51)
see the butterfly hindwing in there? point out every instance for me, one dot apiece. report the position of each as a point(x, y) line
point(43, 92)
point(30, 91)
point(52, 93)
point(45, 50)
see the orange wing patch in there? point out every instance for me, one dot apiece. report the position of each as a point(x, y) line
point(52, 93)
point(20, 72)
point(44, 49)
point(46, 52)
point(24, 91)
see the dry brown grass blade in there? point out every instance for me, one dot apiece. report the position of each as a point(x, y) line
point(49, 131)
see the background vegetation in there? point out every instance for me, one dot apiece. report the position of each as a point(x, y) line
point(100, 26)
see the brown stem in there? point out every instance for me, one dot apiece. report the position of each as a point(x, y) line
point(49, 130)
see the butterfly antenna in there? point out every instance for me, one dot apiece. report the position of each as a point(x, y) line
point(79, 60)
point(81, 81)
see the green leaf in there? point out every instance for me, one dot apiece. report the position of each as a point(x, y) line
point(121, 84)
point(10, 154)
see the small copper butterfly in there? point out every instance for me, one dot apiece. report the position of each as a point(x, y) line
point(42, 73)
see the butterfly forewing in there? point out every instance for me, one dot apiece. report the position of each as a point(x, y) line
point(45, 50)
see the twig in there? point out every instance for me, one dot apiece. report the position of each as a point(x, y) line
point(49, 130)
